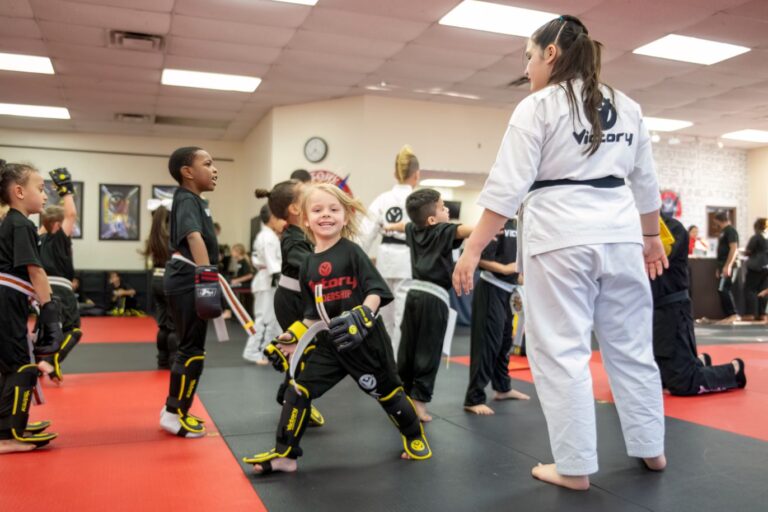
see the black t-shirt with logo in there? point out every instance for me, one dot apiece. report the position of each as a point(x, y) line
point(503, 249)
point(347, 276)
point(295, 248)
point(19, 245)
point(189, 214)
point(56, 254)
point(432, 251)
point(675, 278)
point(728, 236)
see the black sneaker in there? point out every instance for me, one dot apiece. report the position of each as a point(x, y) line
point(741, 377)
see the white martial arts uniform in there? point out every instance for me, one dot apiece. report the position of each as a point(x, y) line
point(393, 259)
point(582, 257)
point(267, 259)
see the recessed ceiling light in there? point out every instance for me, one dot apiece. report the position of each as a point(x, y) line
point(217, 81)
point(655, 138)
point(674, 141)
point(658, 124)
point(490, 17)
point(13, 109)
point(747, 135)
point(25, 63)
point(445, 183)
point(690, 49)
point(300, 2)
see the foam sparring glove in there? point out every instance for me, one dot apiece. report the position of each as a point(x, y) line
point(207, 292)
point(273, 353)
point(50, 336)
point(349, 329)
point(63, 181)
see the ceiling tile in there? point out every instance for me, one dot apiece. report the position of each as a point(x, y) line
point(344, 45)
point(230, 31)
point(731, 29)
point(19, 28)
point(442, 36)
point(216, 50)
point(104, 55)
point(329, 61)
point(106, 84)
point(16, 9)
point(144, 5)
point(751, 64)
point(67, 33)
point(422, 10)
point(317, 75)
point(101, 16)
point(260, 12)
point(216, 66)
point(190, 104)
point(361, 25)
point(21, 45)
point(756, 9)
point(446, 57)
point(105, 71)
point(395, 70)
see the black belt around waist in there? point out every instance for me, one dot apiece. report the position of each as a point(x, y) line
point(392, 240)
point(670, 299)
point(607, 182)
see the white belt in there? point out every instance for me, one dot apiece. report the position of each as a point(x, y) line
point(25, 287)
point(434, 290)
point(488, 277)
point(431, 288)
point(18, 284)
point(63, 282)
point(159, 271)
point(240, 313)
point(289, 283)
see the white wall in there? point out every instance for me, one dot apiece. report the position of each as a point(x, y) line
point(757, 176)
point(95, 168)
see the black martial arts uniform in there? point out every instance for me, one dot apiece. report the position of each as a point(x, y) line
point(491, 336)
point(56, 256)
point(165, 340)
point(728, 236)
point(757, 276)
point(294, 248)
point(19, 247)
point(425, 318)
point(190, 214)
point(674, 341)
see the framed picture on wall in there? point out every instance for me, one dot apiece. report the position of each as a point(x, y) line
point(54, 199)
point(713, 228)
point(163, 191)
point(119, 212)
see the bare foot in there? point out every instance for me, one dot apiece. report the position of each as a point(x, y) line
point(12, 446)
point(736, 365)
point(405, 456)
point(656, 463)
point(479, 409)
point(548, 473)
point(262, 362)
point(281, 464)
point(421, 411)
point(512, 394)
point(729, 320)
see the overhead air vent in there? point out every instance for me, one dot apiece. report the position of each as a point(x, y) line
point(519, 82)
point(127, 117)
point(216, 124)
point(136, 41)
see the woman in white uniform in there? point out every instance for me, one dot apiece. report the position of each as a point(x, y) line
point(588, 240)
point(393, 259)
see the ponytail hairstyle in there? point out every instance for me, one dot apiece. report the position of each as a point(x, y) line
point(406, 164)
point(353, 209)
point(282, 195)
point(156, 246)
point(580, 57)
point(182, 157)
point(12, 174)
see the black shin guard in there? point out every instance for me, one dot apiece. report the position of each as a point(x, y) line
point(71, 339)
point(17, 392)
point(293, 422)
point(401, 411)
point(185, 375)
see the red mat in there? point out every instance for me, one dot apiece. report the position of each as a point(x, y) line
point(112, 455)
point(107, 329)
point(743, 411)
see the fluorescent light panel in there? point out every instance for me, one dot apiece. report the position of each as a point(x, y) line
point(216, 81)
point(300, 2)
point(437, 182)
point(690, 49)
point(25, 63)
point(13, 109)
point(502, 19)
point(747, 135)
point(658, 124)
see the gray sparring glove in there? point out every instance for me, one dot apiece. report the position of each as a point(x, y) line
point(63, 181)
point(207, 292)
point(50, 335)
point(349, 329)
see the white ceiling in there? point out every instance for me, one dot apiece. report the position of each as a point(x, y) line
point(339, 47)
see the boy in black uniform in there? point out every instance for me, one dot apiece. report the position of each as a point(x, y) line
point(123, 297)
point(56, 256)
point(432, 239)
point(193, 265)
point(491, 336)
point(674, 342)
point(295, 248)
point(22, 278)
point(727, 253)
point(356, 345)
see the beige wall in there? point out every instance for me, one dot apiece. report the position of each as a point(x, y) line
point(757, 175)
point(95, 168)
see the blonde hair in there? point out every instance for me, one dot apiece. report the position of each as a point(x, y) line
point(352, 207)
point(51, 216)
point(406, 163)
point(239, 248)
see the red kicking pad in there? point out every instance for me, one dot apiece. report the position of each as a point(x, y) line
point(112, 454)
point(107, 329)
